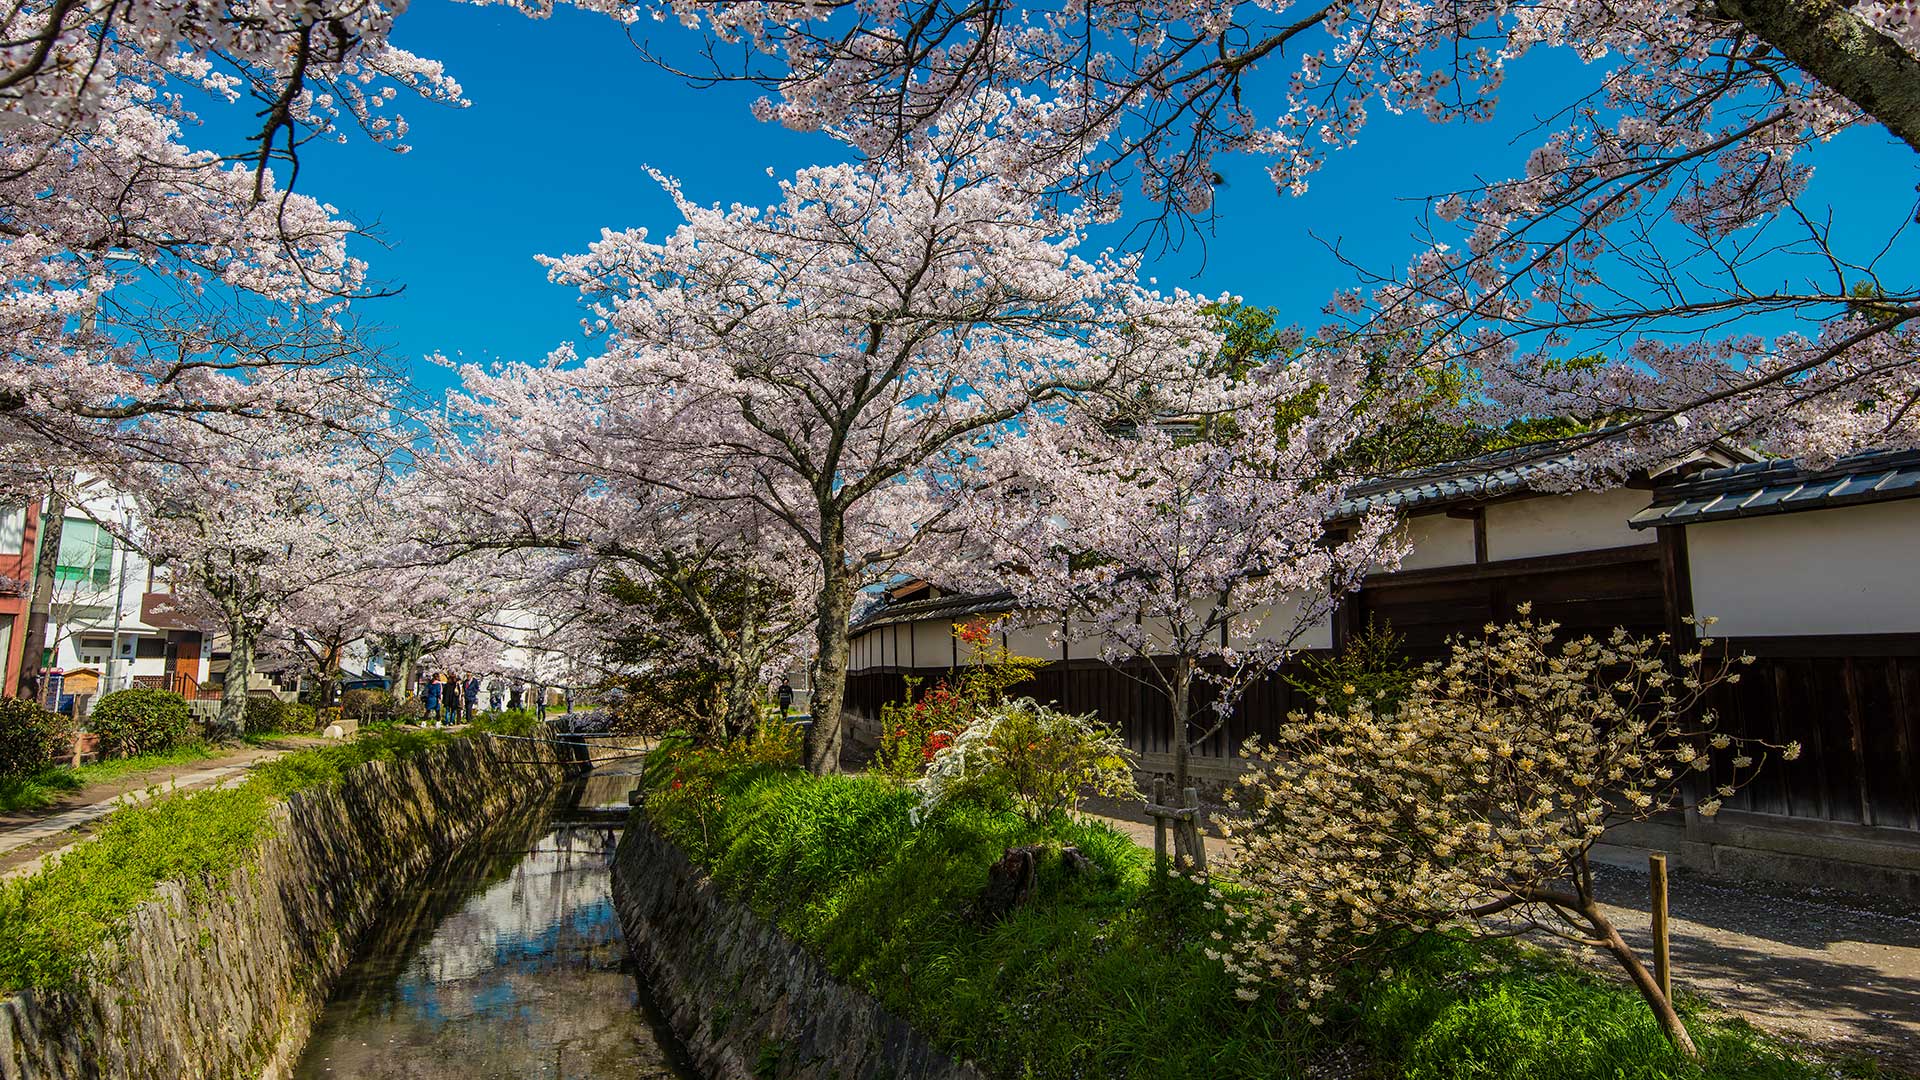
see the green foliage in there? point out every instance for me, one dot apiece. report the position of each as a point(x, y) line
point(44, 788)
point(1032, 759)
point(31, 738)
point(52, 920)
point(650, 622)
point(516, 722)
point(1414, 408)
point(1373, 668)
point(912, 732)
point(1103, 974)
point(268, 715)
point(265, 715)
point(369, 706)
point(139, 721)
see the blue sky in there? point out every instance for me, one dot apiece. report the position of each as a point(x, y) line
point(566, 114)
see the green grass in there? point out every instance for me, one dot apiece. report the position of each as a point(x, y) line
point(1104, 975)
point(45, 787)
point(51, 921)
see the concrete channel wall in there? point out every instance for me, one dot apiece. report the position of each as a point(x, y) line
point(224, 978)
point(746, 1001)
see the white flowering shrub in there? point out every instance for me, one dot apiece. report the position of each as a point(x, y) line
point(1031, 757)
point(1472, 804)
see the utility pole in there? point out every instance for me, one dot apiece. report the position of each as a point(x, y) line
point(119, 596)
point(46, 560)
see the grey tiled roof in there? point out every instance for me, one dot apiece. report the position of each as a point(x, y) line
point(1487, 476)
point(1782, 487)
point(940, 607)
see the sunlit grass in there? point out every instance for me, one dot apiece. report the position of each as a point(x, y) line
point(1104, 975)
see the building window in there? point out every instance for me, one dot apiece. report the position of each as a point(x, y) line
point(86, 554)
point(13, 529)
point(93, 651)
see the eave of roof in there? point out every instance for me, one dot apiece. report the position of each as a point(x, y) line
point(950, 607)
point(1783, 487)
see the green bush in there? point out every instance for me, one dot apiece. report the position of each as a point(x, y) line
point(139, 721)
point(265, 715)
point(368, 706)
point(299, 718)
point(268, 715)
point(1103, 973)
point(31, 738)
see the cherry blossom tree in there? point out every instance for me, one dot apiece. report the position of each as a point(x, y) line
point(805, 363)
point(1193, 537)
point(258, 518)
point(1656, 213)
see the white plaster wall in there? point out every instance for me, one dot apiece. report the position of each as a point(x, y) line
point(1851, 570)
point(1279, 623)
point(933, 643)
point(1438, 540)
point(1026, 640)
point(1557, 524)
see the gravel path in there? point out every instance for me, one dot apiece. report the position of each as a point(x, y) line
point(1829, 968)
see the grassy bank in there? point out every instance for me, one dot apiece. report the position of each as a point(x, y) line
point(1105, 975)
point(44, 788)
point(50, 921)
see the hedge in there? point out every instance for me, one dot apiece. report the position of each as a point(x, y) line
point(139, 721)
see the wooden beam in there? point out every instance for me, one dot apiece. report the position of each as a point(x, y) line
point(1676, 580)
point(1573, 560)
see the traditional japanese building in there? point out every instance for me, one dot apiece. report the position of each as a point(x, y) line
point(1815, 573)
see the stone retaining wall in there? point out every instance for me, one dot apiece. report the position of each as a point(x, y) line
point(224, 978)
point(746, 1001)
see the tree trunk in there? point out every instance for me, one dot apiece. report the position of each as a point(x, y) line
point(1184, 853)
point(1663, 1011)
point(403, 676)
point(1842, 50)
point(830, 657)
point(233, 696)
point(45, 565)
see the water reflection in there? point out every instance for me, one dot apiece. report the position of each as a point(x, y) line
point(510, 964)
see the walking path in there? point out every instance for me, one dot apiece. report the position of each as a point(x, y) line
point(27, 838)
point(1816, 966)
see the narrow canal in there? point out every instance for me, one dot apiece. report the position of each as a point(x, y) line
point(508, 963)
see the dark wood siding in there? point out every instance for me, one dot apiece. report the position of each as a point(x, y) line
point(1851, 704)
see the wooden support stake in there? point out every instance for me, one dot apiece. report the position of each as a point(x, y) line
point(1159, 830)
point(1191, 801)
point(1662, 957)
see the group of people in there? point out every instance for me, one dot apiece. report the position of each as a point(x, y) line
point(451, 699)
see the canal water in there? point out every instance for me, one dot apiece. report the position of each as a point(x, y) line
point(507, 963)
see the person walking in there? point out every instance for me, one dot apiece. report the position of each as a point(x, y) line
point(785, 694)
point(431, 698)
point(471, 697)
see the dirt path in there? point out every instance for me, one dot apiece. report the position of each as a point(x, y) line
point(28, 836)
point(1828, 968)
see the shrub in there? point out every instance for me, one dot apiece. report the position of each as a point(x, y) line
point(299, 718)
point(31, 738)
point(369, 706)
point(1479, 796)
point(265, 715)
point(912, 732)
point(139, 721)
point(1031, 758)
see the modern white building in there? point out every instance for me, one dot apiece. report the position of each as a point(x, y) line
point(111, 623)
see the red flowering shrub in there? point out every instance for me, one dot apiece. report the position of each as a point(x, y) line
point(913, 731)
